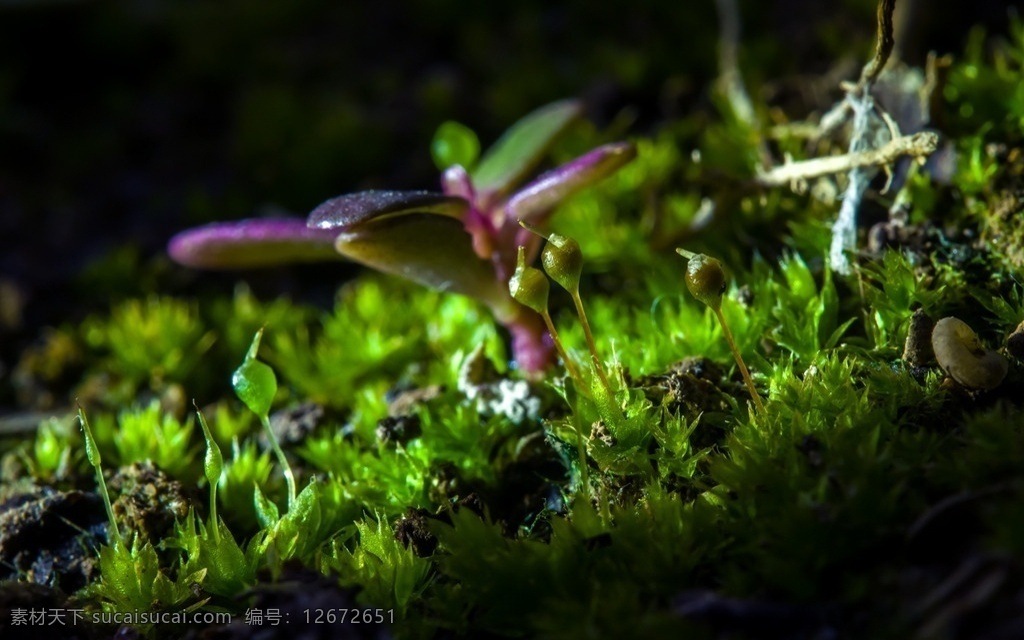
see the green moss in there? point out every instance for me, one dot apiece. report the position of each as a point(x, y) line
point(382, 329)
point(390, 574)
point(584, 511)
point(245, 469)
point(155, 340)
point(57, 453)
point(216, 561)
point(132, 579)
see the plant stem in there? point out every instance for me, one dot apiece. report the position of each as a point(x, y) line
point(574, 373)
point(581, 448)
point(92, 452)
point(884, 43)
point(213, 513)
point(289, 477)
point(590, 341)
point(739, 361)
point(110, 510)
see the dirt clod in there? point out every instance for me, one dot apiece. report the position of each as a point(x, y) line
point(51, 538)
point(149, 501)
point(398, 429)
point(413, 530)
point(917, 351)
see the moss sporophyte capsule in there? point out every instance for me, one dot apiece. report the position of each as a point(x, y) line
point(563, 262)
point(705, 278)
point(528, 286)
point(706, 281)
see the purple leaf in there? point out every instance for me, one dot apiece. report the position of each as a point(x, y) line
point(431, 250)
point(255, 242)
point(355, 209)
point(541, 195)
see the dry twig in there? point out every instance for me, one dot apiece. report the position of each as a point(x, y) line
point(862, 105)
point(918, 145)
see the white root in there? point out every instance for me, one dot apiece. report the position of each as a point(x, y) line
point(960, 354)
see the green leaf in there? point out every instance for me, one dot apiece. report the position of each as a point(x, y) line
point(300, 531)
point(522, 146)
point(454, 143)
point(383, 568)
point(254, 382)
point(266, 510)
point(213, 464)
point(833, 339)
point(798, 276)
point(212, 553)
point(131, 578)
point(306, 509)
point(92, 452)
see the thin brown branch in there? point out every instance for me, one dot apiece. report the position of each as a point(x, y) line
point(884, 44)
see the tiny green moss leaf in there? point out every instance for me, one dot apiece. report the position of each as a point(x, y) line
point(213, 464)
point(266, 510)
point(92, 452)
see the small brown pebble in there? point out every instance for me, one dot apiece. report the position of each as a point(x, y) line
point(150, 501)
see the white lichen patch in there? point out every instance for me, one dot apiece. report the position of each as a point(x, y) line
point(494, 395)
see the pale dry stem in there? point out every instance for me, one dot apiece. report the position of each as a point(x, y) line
point(918, 145)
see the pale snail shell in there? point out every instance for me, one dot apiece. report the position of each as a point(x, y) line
point(961, 355)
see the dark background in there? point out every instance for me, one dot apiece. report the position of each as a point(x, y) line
point(124, 122)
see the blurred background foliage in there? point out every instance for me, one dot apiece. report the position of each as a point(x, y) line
point(124, 122)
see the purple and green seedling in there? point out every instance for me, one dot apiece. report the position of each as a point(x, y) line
point(464, 239)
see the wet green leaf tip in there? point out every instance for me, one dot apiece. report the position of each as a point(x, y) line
point(213, 464)
point(266, 511)
point(91, 451)
point(254, 382)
